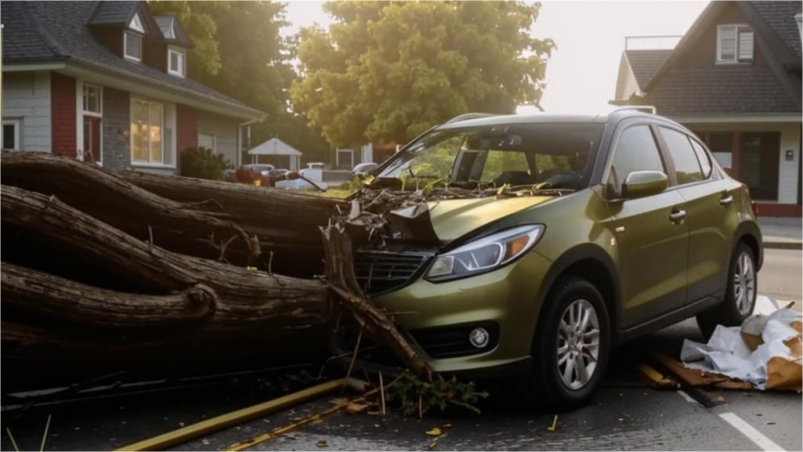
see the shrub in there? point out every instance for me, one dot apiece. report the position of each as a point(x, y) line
point(203, 164)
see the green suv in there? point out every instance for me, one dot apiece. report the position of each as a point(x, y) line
point(553, 238)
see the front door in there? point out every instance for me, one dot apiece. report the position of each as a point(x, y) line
point(92, 139)
point(759, 159)
point(651, 237)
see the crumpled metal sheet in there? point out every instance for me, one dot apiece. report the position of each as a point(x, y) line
point(770, 361)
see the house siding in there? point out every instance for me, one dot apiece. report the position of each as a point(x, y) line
point(63, 90)
point(187, 128)
point(225, 131)
point(788, 170)
point(116, 129)
point(27, 97)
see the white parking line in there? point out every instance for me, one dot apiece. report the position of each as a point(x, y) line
point(752, 434)
point(688, 398)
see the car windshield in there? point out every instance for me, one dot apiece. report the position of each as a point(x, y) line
point(551, 155)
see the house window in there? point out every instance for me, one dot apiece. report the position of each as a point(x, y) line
point(11, 134)
point(133, 46)
point(93, 99)
point(147, 126)
point(734, 43)
point(177, 62)
point(92, 117)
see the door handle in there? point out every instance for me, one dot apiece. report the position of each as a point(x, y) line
point(677, 215)
point(726, 201)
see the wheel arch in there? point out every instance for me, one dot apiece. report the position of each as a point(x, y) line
point(749, 233)
point(592, 263)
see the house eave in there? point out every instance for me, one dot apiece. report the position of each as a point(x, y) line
point(162, 91)
point(23, 66)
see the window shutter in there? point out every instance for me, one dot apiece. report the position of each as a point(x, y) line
point(746, 45)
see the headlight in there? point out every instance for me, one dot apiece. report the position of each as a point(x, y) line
point(485, 254)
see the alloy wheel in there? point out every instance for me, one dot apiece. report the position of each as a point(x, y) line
point(744, 283)
point(578, 344)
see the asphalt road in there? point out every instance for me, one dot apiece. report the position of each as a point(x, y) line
point(779, 278)
point(626, 414)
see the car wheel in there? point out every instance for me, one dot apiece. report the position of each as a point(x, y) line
point(571, 345)
point(740, 294)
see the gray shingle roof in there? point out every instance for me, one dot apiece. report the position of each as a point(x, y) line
point(181, 38)
point(645, 63)
point(721, 90)
point(780, 16)
point(40, 31)
point(107, 13)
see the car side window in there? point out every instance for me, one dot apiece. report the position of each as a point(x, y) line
point(687, 166)
point(636, 151)
point(705, 160)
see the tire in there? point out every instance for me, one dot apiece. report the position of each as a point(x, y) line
point(548, 384)
point(734, 309)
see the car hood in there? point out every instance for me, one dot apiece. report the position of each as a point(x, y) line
point(455, 218)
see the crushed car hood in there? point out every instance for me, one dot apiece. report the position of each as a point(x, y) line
point(454, 218)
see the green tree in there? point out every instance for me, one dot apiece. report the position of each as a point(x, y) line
point(240, 51)
point(386, 71)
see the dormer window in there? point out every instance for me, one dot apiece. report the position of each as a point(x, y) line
point(132, 46)
point(734, 44)
point(176, 62)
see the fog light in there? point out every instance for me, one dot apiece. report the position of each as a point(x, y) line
point(479, 337)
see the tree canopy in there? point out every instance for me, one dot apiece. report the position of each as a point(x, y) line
point(387, 71)
point(240, 51)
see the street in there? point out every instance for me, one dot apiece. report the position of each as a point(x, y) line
point(780, 276)
point(626, 414)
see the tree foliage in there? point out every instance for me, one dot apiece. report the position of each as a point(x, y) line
point(386, 71)
point(240, 51)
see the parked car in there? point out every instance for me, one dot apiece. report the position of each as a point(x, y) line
point(316, 165)
point(262, 169)
point(608, 227)
point(278, 172)
point(364, 168)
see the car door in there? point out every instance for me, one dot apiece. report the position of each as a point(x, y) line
point(650, 233)
point(711, 214)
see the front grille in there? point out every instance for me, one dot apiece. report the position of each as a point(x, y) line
point(383, 271)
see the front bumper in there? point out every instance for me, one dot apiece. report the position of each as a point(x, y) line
point(506, 297)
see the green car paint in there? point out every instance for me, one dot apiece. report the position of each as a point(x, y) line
point(657, 256)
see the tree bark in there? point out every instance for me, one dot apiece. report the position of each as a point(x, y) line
point(286, 222)
point(246, 299)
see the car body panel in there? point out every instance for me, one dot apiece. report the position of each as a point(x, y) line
point(455, 218)
point(493, 296)
point(660, 270)
point(652, 255)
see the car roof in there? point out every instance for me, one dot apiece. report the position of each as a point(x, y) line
point(477, 120)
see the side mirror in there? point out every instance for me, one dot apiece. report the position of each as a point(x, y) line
point(640, 184)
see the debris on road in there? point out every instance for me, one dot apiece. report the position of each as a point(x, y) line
point(765, 352)
point(554, 425)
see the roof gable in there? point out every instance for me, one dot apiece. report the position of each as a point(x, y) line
point(685, 83)
point(646, 63)
point(172, 31)
point(66, 37)
point(113, 13)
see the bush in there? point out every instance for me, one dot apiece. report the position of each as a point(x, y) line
point(203, 164)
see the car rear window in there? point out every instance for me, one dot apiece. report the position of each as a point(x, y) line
point(705, 160)
point(687, 166)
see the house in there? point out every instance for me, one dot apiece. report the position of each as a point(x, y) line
point(106, 81)
point(735, 80)
point(277, 153)
point(348, 158)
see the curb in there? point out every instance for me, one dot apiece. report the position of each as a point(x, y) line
point(783, 245)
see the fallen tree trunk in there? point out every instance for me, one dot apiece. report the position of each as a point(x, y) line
point(246, 299)
point(287, 222)
point(30, 292)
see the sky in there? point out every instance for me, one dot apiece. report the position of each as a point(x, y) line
point(590, 38)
